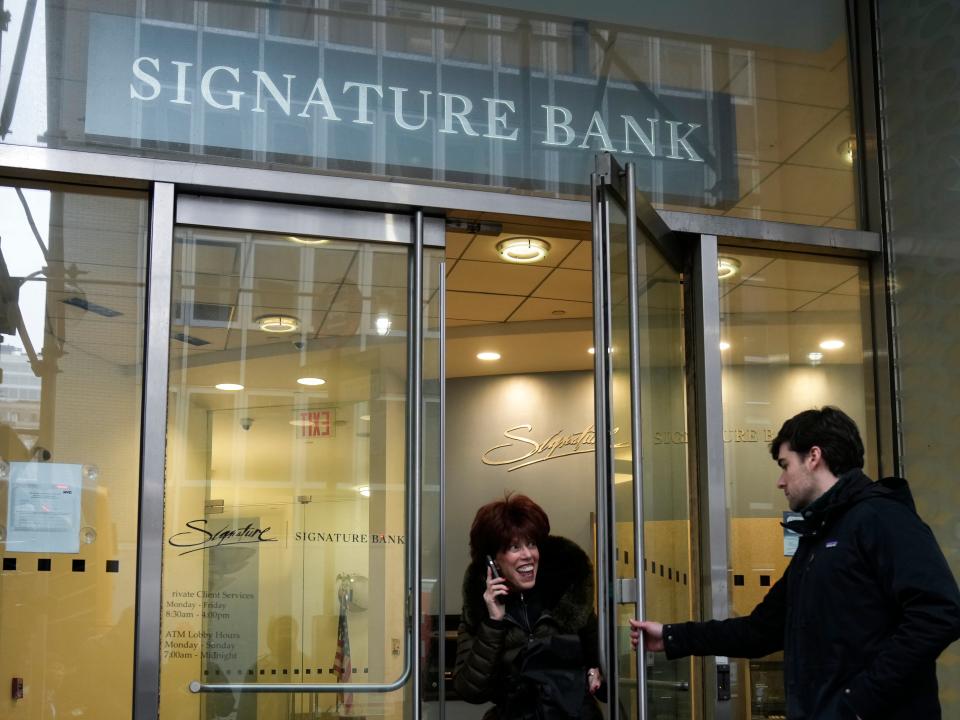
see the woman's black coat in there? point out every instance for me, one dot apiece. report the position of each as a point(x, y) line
point(490, 654)
point(865, 607)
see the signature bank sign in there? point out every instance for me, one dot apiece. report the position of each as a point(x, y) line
point(260, 96)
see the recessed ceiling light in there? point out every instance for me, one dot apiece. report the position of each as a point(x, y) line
point(591, 351)
point(523, 249)
point(488, 355)
point(278, 323)
point(364, 490)
point(307, 241)
point(229, 387)
point(365, 418)
point(383, 325)
point(311, 381)
point(831, 344)
point(724, 345)
point(727, 267)
point(815, 357)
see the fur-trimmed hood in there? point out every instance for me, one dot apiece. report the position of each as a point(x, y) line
point(564, 585)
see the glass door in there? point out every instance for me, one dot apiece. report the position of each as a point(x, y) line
point(292, 491)
point(643, 516)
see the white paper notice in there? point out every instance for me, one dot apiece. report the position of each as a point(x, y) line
point(43, 510)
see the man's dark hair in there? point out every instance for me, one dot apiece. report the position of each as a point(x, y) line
point(831, 430)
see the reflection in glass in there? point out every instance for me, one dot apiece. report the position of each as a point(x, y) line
point(746, 116)
point(285, 514)
point(72, 271)
point(776, 311)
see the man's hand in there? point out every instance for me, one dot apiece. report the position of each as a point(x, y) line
point(652, 634)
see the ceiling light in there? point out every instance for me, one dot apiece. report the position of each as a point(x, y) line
point(815, 357)
point(727, 267)
point(278, 323)
point(229, 387)
point(364, 490)
point(848, 149)
point(488, 355)
point(523, 249)
point(365, 418)
point(307, 241)
point(383, 325)
point(724, 345)
point(591, 351)
point(311, 381)
point(832, 344)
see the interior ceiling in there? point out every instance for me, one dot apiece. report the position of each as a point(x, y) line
point(539, 317)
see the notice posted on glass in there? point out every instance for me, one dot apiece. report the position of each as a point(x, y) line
point(43, 510)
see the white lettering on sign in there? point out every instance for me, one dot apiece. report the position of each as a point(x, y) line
point(458, 114)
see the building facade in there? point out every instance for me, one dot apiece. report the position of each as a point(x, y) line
point(290, 289)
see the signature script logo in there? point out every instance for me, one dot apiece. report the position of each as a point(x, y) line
point(198, 537)
point(531, 451)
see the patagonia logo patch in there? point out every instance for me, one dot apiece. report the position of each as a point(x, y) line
point(831, 543)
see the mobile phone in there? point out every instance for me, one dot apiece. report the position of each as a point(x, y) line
point(493, 567)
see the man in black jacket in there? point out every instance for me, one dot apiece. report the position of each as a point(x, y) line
point(867, 602)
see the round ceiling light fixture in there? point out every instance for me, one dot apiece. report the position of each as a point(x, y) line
point(488, 355)
point(278, 323)
point(311, 381)
point(727, 267)
point(815, 357)
point(229, 387)
point(831, 344)
point(523, 249)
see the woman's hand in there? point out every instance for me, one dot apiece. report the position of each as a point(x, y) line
point(496, 589)
point(594, 680)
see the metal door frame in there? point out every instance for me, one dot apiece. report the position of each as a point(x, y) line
point(412, 229)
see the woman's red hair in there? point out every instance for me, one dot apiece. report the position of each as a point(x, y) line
point(499, 523)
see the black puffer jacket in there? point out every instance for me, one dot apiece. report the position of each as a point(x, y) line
point(862, 612)
point(490, 654)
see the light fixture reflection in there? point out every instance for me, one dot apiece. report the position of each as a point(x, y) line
point(724, 345)
point(229, 387)
point(488, 355)
point(523, 249)
point(815, 357)
point(364, 490)
point(727, 267)
point(831, 344)
point(591, 351)
point(383, 325)
point(311, 381)
point(278, 323)
point(307, 241)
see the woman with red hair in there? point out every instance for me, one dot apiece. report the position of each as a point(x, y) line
point(528, 634)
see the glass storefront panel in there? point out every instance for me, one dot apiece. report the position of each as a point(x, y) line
point(741, 113)
point(286, 491)
point(795, 334)
point(72, 305)
point(668, 580)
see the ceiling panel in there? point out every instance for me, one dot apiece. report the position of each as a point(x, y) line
point(772, 131)
point(753, 299)
point(816, 276)
point(567, 285)
point(481, 306)
point(580, 259)
point(797, 189)
point(541, 309)
point(501, 277)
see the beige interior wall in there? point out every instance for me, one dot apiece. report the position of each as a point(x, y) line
point(292, 485)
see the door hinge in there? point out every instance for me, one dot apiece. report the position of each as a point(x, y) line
point(627, 590)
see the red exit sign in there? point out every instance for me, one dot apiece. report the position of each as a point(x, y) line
point(315, 423)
